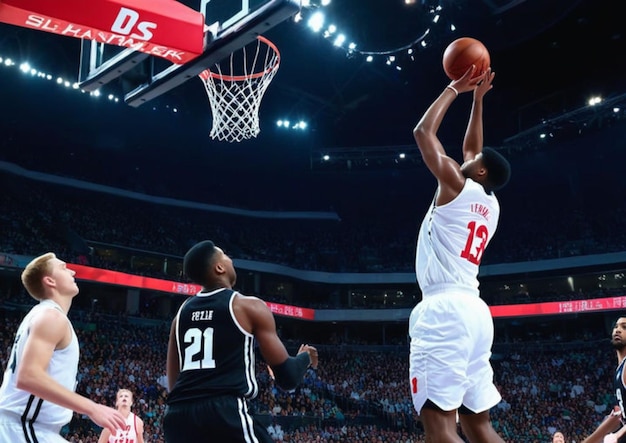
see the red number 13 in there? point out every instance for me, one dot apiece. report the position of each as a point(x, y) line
point(481, 233)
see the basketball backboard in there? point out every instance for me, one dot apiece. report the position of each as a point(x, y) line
point(229, 25)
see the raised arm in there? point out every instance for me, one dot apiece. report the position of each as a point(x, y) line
point(473, 141)
point(445, 169)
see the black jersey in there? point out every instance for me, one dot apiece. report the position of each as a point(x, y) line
point(216, 354)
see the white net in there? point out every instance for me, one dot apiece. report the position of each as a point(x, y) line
point(235, 88)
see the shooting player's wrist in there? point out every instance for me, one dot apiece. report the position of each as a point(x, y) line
point(453, 89)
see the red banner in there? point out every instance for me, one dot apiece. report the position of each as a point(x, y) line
point(559, 307)
point(137, 281)
point(163, 28)
point(522, 310)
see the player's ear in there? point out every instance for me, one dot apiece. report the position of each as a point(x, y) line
point(219, 268)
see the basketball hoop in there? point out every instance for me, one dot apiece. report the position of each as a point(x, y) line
point(235, 88)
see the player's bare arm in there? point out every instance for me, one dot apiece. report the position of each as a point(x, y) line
point(50, 330)
point(256, 318)
point(104, 436)
point(140, 431)
point(609, 425)
point(288, 371)
point(473, 141)
point(445, 169)
point(173, 362)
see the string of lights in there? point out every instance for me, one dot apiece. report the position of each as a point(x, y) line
point(315, 16)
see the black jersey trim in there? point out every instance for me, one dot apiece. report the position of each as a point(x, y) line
point(28, 426)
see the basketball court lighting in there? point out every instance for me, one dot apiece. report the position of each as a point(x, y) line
point(340, 40)
point(279, 123)
point(325, 2)
point(59, 80)
point(594, 101)
point(616, 110)
point(24, 67)
point(326, 157)
point(332, 29)
point(369, 58)
point(352, 46)
point(306, 3)
point(316, 21)
point(402, 155)
point(8, 62)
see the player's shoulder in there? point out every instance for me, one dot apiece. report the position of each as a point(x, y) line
point(47, 312)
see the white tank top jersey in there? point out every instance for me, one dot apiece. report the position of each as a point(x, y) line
point(128, 434)
point(63, 368)
point(452, 239)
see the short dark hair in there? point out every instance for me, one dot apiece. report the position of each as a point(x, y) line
point(498, 169)
point(196, 261)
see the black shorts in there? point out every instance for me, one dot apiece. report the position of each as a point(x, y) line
point(215, 419)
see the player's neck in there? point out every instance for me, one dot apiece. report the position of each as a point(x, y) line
point(63, 302)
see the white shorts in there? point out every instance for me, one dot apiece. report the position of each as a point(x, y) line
point(451, 339)
point(12, 430)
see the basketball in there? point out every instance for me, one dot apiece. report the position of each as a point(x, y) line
point(463, 53)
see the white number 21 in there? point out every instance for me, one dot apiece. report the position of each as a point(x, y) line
point(200, 345)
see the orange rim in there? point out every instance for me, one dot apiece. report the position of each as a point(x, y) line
point(239, 78)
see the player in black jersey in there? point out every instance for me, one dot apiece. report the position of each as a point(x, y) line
point(210, 357)
point(611, 429)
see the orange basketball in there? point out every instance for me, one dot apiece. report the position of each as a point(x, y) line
point(463, 53)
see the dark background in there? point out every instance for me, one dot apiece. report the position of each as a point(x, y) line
point(549, 57)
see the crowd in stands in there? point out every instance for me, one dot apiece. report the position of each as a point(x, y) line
point(42, 216)
point(357, 394)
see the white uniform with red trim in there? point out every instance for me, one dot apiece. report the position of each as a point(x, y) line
point(451, 329)
point(128, 434)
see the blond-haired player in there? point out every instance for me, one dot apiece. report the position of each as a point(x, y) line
point(133, 432)
point(38, 395)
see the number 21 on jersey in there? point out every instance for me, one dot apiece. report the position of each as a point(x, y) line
point(477, 234)
point(199, 352)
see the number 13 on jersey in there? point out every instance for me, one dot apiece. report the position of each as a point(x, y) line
point(476, 242)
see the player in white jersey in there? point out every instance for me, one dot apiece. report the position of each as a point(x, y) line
point(451, 329)
point(133, 432)
point(38, 395)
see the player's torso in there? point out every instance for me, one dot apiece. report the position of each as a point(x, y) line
point(62, 368)
point(216, 353)
point(128, 434)
point(453, 238)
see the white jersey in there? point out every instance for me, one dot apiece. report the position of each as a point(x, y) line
point(62, 368)
point(452, 239)
point(128, 434)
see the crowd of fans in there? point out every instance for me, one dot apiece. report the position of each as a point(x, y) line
point(41, 216)
point(357, 394)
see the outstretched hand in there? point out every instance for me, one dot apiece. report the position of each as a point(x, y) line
point(470, 81)
point(108, 418)
point(484, 84)
point(312, 354)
